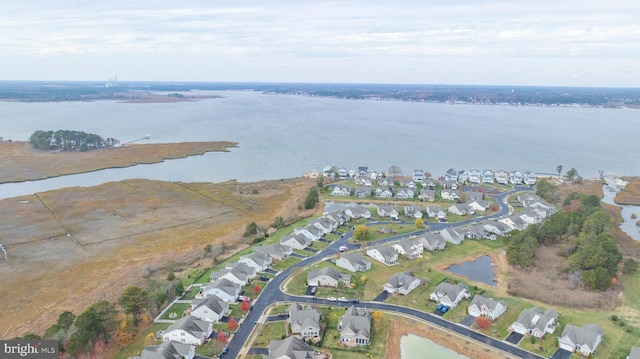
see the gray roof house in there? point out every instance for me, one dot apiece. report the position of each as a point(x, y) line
point(363, 192)
point(450, 294)
point(304, 321)
point(451, 235)
point(436, 212)
point(412, 212)
point(358, 211)
point(354, 262)
point(223, 288)
point(188, 330)
point(635, 353)
point(584, 339)
point(486, 307)
point(355, 327)
point(312, 232)
point(401, 283)
point(427, 195)
point(384, 254)
point(239, 273)
point(536, 322)
point(387, 210)
point(432, 242)
point(461, 209)
point(289, 348)
point(410, 248)
point(296, 241)
point(211, 309)
point(275, 251)
point(327, 277)
point(258, 260)
point(450, 194)
point(168, 350)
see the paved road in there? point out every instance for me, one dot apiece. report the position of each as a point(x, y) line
point(272, 292)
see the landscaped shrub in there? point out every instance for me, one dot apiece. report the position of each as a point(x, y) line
point(614, 318)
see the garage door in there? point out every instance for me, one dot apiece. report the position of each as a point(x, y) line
point(567, 347)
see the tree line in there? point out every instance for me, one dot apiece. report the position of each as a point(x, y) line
point(68, 140)
point(582, 231)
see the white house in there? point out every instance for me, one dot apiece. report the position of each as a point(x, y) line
point(418, 176)
point(502, 177)
point(275, 251)
point(327, 277)
point(223, 289)
point(487, 176)
point(353, 262)
point(211, 309)
point(312, 232)
point(436, 212)
point(451, 235)
point(475, 176)
point(357, 212)
point(409, 248)
point(536, 322)
point(355, 327)
point(290, 348)
point(450, 194)
point(340, 190)
point(304, 321)
point(387, 210)
point(486, 307)
point(634, 353)
point(384, 254)
point(515, 177)
point(529, 178)
point(188, 330)
point(401, 283)
point(450, 294)
point(461, 209)
point(296, 241)
point(451, 175)
point(583, 339)
point(239, 273)
point(432, 242)
point(168, 349)
point(257, 260)
point(478, 205)
point(412, 212)
point(463, 176)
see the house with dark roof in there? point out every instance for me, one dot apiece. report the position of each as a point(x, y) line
point(188, 330)
point(536, 322)
point(384, 254)
point(304, 320)
point(168, 350)
point(418, 176)
point(327, 277)
point(211, 309)
point(401, 283)
point(450, 294)
point(355, 327)
point(353, 262)
point(482, 306)
point(289, 348)
point(451, 175)
point(584, 339)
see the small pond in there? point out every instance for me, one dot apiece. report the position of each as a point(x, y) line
point(413, 346)
point(479, 270)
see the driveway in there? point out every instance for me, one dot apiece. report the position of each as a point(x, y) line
point(258, 351)
point(381, 297)
point(272, 271)
point(514, 338)
point(294, 254)
point(468, 320)
point(276, 318)
point(310, 290)
point(561, 354)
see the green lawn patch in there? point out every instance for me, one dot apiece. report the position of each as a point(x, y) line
point(268, 332)
point(284, 264)
point(177, 308)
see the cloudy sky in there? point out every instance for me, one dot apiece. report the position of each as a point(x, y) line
point(507, 42)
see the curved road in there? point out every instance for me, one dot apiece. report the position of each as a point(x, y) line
point(272, 293)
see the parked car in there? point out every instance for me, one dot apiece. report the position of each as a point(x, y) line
point(444, 309)
point(355, 300)
point(343, 299)
point(343, 248)
point(225, 349)
point(314, 290)
point(332, 299)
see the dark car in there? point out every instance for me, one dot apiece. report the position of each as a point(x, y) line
point(225, 349)
point(355, 300)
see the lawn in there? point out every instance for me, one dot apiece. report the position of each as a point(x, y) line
point(135, 347)
point(177, 308)
point(376, 349)
point(284, 264)
point(267, 332)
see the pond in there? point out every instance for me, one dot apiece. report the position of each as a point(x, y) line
point(628, 225)
point(479, 270)
point(413, 346)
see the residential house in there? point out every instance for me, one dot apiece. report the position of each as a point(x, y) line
point(461, 209)
point(327, 277)
point(495, 227)
point(384, 254)
point(584, 339)
point(223, 289)
point(635, 353)
point(355, 327)
point(514, 222)
point(363, 171)
point(451, 175)
point(432, 242)
point(374, 175)
point(530, 217)
point(353, 262)
point(487, 176)
point(451, 235)
point(418, 176)
point(412, 212)
point(388, 210)
point(450, 294)
point(515, 177)
point(362, 181)
point(188, 330)
point(363, 192)
point(427, 195)
point(352, 173)
point(401, 283)
point(436, 212)
point(290, 348)
point(403, 193)
point(478, 205)
point(449, 184)
point(310, 231)
point(342, 173)
point(450, 194)
point(340, 190)
point(486, 307)
point(275, 251)
point(211, 309)
point(383, 193)
point(477, 231)
point(239, 273)
point(536, 322)
point(475, 176)
point(529, 178)
point(430, 184)
point(168, 350)
point(408, 248)
point(258, 260)
point(304, 321)
point(337, 217)
point(384, 182)
point(463, 176)
point(324, 224)
point(357, 212)
point(296, 241)
point(502, 177)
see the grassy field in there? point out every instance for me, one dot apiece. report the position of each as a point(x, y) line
point(177, 308)
point(138, 342)
point(268, 332)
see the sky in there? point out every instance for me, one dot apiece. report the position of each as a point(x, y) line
point(591, 43)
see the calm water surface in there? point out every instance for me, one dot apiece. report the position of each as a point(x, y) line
point(282, 136)
point(479, 270)
point(413, 346)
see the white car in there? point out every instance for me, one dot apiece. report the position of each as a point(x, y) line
point(343, 248)
point(332, 299)
point(343, 299)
